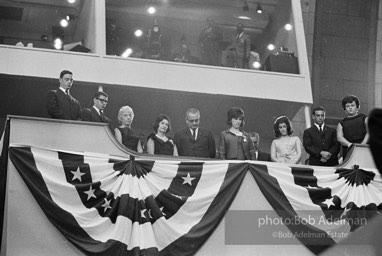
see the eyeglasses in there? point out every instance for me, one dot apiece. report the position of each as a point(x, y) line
point(102, 100)
point(193, 120)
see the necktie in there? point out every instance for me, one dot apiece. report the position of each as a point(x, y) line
point(194, 133)
point(67, 92)
point(320, 126)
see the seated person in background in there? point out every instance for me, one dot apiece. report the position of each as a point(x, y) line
point(234, 142)
point(60, 103)
point(261, 156)
point(320, 141)
point(285, 148)
point(95, 113)
point(184, 55)
point(158, 143)
point(124, 134)
point(351, 129)
point(193, 140)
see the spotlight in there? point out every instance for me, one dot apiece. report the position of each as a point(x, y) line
point(64, 23)
point(271, 47)
point(138, 33)
point(256, 65)
point(57, 43)
point(151, 10)
point(245, 7)
point(259, 9)
point(71, 1)
point(127, 53)
point(288, 27)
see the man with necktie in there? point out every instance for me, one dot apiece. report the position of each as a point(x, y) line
point(60, 104)
point(193, 140)
point(95, 113)
point(320, 141)
point(260, 156)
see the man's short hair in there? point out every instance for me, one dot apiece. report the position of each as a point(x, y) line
point(192, 111)
point(350, 99)
point(318, 108)
point(64, 72)
point(100, 93)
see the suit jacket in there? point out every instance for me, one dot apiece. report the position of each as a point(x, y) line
point(263, 156)
point(314, 142)
point(62, 106)
point(228, 148)
point(203, 146)
point(91, 115)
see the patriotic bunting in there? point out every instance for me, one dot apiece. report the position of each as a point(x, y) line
point(108, 206)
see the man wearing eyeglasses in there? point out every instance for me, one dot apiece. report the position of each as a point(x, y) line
point(95, 113)
point(60, 103)
point(193, 140)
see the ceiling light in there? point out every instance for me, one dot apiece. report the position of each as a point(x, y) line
point(138, 33)
point(271, 47)
point(64, 23)
point(127, 53)
point(288, 27)
point(259, 9)
point(58, 43)
point(71, 1)
point(256, 65)
point(151, 10)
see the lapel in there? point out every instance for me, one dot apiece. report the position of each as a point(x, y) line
point(63, 95)
point(96, 114)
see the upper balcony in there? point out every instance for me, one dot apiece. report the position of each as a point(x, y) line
point(119, 42)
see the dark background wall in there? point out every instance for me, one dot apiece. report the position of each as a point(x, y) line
point(26, 96)
point(344, 53)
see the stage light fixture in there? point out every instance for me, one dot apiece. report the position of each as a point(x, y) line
point(71, 1)
point(271, 47)
point(259, 9)
point(138, 33)
point(151, 10)
point(288, 27)
point(64, 23)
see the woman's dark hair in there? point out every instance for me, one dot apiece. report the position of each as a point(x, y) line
point(159, 119)
point(350, 99)
point(280, 120)
point(235, 113)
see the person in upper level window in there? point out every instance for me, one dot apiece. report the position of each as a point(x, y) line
point(235, 143)
point(60, 103)
point(240, 47)
point(353, 128)
point(210, 43)
point(285, 148)
point(95, 113)
point(124, 133)
point(158, 143)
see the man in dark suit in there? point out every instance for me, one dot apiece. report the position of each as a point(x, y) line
point(320, 141)
point(60, 103)
point(193, 140)
point(95, 113)
point(260, 156)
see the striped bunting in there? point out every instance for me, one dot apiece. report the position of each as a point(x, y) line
point(106, 206)
point(331, 201)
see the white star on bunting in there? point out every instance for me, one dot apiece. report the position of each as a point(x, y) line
point(106, 205)
point(77, 174)
point(188, 179)
point(90, 193)
point(143, 213)
point(329, 202)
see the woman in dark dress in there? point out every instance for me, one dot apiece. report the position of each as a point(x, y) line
point(158, 143)
point(124, 134)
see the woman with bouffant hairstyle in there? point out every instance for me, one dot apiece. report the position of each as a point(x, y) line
point(285, 148)
point(234, 142)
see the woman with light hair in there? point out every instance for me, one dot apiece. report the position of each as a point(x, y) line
point(285, 148)
point(124, 134)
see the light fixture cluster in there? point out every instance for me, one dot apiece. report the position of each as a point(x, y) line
point(259, 8)
point(287, 27)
